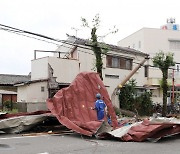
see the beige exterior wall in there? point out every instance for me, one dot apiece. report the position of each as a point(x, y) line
point(64, 69)
point(135, 41)
point(84, 60)
point(32, 92)
point(39, 69)
point(152, 41)
point(31, 98)
point(122, 73)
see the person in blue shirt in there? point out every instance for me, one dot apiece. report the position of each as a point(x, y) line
point(100, 107)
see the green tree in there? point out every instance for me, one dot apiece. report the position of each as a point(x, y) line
point(127, 95)
point(144, 102)
point(98, 48)
point(163, 62)
point(130, 100)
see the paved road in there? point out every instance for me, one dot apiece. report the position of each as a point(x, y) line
point(75, 144)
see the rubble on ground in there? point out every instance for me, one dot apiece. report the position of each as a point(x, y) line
point(130, 128)
point(71, 112)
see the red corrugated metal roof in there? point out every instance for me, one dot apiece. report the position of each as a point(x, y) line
point(72, 105)
point(153, 130)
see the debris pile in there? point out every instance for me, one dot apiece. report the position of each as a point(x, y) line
point(152, 129)
point(17, 123)
point(71, 111)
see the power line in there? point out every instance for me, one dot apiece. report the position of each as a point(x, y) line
point(31, 33)
point(15, 32)
point(20, 32)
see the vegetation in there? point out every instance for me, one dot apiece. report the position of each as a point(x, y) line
point(130, 100)
point(163, 62)
point(10, 107)
point(7, 105)
point(98, 48)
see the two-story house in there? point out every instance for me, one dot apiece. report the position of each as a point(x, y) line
point(48, 74)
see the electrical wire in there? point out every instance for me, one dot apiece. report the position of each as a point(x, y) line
point(31, 37)
point(20, 32)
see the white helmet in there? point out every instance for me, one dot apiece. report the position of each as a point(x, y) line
point(98, 95)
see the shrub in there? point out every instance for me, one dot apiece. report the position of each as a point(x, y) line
point(129, 100)
point(7, 104)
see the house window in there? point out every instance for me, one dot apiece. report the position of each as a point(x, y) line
point(115, 62)
point(128, 64)
point(108, 61)
point(112, 76)
point(118, 62)
point(122, 63)
point(174, 45)
point(42, 89)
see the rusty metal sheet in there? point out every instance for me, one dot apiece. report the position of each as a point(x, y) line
point(11, 115)
point(153, 130)
point(148, 129)
point(72, 105)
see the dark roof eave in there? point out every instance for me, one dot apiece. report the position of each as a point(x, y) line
point(84, 42)
point(6, 84)
point(29, 82)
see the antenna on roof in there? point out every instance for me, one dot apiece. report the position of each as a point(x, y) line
point(76, 29)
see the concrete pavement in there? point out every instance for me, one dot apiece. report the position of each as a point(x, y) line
point(76, 144)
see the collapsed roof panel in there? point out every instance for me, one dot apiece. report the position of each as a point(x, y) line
point(19, 122)
point(73, 105)
point(152, 129)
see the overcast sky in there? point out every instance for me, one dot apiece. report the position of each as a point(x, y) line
point(55, 18)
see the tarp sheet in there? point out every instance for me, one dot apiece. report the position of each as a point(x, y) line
point(72, 105)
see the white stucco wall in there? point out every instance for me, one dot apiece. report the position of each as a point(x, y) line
point(152, 41)
point(39, 68)
point(64, 69)
point(32, 92)
point(87, 59)
point(135, 40)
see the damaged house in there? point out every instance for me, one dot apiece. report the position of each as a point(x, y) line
point(51, 73)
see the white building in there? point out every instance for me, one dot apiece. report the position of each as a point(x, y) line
point(151, 41)
point(48, 74)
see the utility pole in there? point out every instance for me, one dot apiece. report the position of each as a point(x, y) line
point(172, 101)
